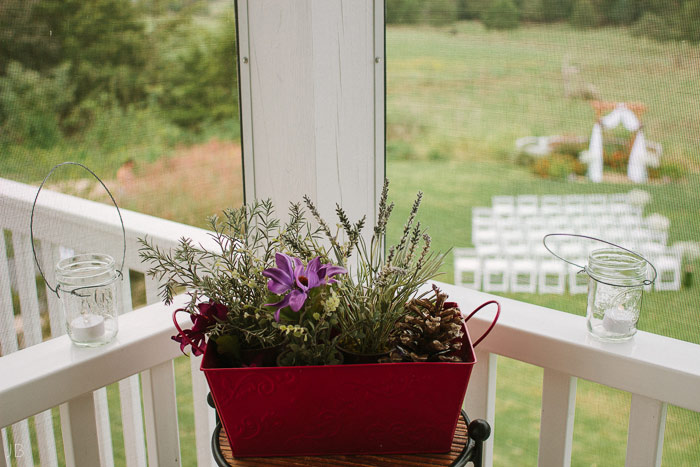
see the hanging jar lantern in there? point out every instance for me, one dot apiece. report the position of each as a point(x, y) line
point(616, 280)
point(88, 286)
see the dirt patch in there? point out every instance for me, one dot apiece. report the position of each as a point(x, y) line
point(189, 186)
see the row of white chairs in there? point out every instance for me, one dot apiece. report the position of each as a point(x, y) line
point(544, 275)
point(524, 205)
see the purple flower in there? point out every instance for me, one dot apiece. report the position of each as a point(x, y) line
point(209, 314)
point(290, 277)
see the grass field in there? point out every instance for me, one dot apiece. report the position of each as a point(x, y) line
point(457, 98)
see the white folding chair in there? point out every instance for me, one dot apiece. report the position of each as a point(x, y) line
point(668, 270)
point(496, 272)
point(551, 205)
point(488, 249)
point(596, 204)
point(467, 268)
point(574, 205)
point(503, 205)
point(523, 275)
point(483, 231)
point(551, 276)
point(527, 205)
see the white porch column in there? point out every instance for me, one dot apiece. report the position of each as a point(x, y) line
point(312, 102)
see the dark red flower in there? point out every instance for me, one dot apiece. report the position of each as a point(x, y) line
point(209, 314)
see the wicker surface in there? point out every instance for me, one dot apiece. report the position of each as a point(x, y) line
point(447, 458)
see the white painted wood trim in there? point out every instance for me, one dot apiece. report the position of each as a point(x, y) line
point(645, 436)
point(204, 416)
point(4, 453)
point(54, 371)
point(104, 430)
point(26, 288)
point(80, 440)
point(305, 130)
point(132, 422)
point(557, 418)
point(43, 426)
point(8, 337)
point(560, 341)
point(480, 401)
point(160, 415)
point(379, 100)
point(245, 106)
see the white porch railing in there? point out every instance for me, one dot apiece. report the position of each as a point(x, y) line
point(656, 370)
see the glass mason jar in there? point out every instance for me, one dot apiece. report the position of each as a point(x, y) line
point(615, 287)
point(89, 290)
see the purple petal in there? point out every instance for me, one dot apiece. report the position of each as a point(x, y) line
point(277, 288)
point(333, 270)
point(296, 299)
point(314, 266)
point(279, 305)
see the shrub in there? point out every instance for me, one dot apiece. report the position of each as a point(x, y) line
point(584, 15)
point(31, 105)
point(399, 150)
point(403, 11)
point(440, 12)
point(501, 14)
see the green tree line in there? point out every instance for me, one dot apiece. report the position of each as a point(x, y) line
point(75, 68)
point(658, 19)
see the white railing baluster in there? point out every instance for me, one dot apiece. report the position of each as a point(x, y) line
point(557, 419)
point(4, 453)
point(26, 288)
point(8, 343)
point(130, 398)
point(8, 337)
point(104, 430)
point(480, 401)
point(151, 290)
point(645, 436)
point(80, 439)
point(160, 413)
point(49, 257)
point(134, 446)
point(204, 416)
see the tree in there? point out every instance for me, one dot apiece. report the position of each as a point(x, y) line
point(502, 14)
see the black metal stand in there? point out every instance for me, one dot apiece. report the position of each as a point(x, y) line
point(478, 431)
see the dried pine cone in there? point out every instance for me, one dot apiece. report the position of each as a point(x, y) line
point(429, 332)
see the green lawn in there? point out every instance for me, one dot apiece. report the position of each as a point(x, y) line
point(458, 98)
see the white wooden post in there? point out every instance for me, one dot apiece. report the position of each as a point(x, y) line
point(645, 435)
point(80, 439)
point(557, 419)
point(480, 401)
point(312, 102)
point(160, 413)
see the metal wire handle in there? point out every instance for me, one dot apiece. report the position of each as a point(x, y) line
point(31, 230)
point(586, 270)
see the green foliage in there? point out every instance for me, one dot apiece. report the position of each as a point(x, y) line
point(31, 103)
point(679, 22)
point(584, 15)
point(229, 274)
point(440, 12)
point(556, 10)
point(403, 11)
point(399, 150)
point(531, 10)
point(501, 14)
point(196, 73)
point(373, 297)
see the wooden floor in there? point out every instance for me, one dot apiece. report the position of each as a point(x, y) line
point(447, 458)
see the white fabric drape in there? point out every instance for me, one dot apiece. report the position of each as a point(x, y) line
point(636, 167)
point(595, 155)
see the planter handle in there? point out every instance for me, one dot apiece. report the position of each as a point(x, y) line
point(183, 335)
point(498, 313)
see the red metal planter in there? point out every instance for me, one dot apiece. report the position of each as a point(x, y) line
point(341, 409)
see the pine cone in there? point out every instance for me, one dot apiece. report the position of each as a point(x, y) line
point(429, 332)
